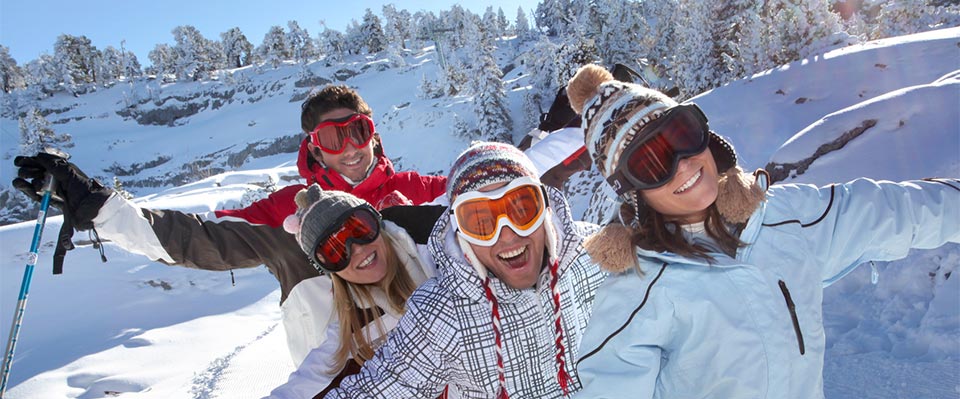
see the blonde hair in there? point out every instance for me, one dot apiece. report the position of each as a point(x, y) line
point(356, 308)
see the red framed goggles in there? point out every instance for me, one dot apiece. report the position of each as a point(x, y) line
point(360, 225)
point(651, 159)
point(332, 135)
point(480, 216)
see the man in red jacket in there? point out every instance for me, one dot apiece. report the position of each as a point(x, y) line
point(343, 152)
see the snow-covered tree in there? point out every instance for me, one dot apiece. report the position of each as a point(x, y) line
point(490, 25)
point(904, 17)
point(11, 75)
point(551, 16)
point(36, 134)
point(164, 60)
point(489, 100)
point(397, 26)
point(502, 23)
point(77, 58)
point(424, 25)
point(118, 188)
point(695, 67)
point(301, 45)
point(618, 27)
point(274, 49)
point(373, 37)
point(331, 43)
point(802, 28)
point(43, 74)
point(129, 64)
point(236, 48)
point(354, 40)
point(109, 65)
point(196, 57)
point(522, 25)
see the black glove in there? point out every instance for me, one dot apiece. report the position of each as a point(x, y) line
point(77, 195)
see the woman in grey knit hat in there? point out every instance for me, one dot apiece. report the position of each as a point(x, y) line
point(373, 264)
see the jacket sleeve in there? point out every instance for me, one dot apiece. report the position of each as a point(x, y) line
point(419, 188)
point(175, 237)
point(270, 211)
point(315, 373)
point(866, 220)
point(412, 363)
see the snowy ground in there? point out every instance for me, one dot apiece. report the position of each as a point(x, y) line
point(132, 328)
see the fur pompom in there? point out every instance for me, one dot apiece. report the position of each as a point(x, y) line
point(612, 248)
point(583, 86)
point(739, 195)
point(291, 224)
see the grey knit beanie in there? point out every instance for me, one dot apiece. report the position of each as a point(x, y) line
point(317, 209)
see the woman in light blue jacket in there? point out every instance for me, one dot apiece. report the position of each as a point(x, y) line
point(717, 282)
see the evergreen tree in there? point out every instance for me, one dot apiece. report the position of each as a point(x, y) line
point(331, 43)
point(354, 40)
point(36, 134)
point(551, 17)
point(424, 24)
point(109, 65)
point(196, 57)
point(302, 48)
point(43, 73)
point(11, 75)
point(610, 22)
point(493, 117)
point(164, 60)
point(236, 48)
point(397, 26)
point(77, 58)
point(904, 17)
point(129, 64)
point(802, 28)
point(275, 49)
point(695, 67)
point(522, 26)
point(490, 25)
point(373, 37)
point(122, 192)
point(502, 22)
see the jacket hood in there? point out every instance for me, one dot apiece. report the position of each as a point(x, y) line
point(456, 273)
point(328, 179)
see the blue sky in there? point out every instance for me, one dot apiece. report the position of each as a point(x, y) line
point(30, 27)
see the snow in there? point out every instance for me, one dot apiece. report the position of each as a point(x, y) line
point(133, 328)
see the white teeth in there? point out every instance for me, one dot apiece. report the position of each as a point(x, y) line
point(514, 253)
point(366, 262)
point(354, 162)
point(689, 183)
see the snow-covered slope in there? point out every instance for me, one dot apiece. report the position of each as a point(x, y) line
point(133, 328)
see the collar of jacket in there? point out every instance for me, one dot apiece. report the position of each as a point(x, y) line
point(460, 278)
point(748, 235)
point(314, 172)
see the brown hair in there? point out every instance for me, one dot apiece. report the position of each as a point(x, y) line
point(397, 285)
point(654, 232)
point(330, 98)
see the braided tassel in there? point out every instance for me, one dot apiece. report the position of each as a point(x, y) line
point(495, 312)
point(562, 376)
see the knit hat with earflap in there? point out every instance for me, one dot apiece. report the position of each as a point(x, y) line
point(614, 112)
point(317, 209)
point(483, 164)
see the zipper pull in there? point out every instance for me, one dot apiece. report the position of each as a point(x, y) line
point(874, 274)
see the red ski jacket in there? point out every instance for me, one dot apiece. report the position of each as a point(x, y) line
point(383, 188)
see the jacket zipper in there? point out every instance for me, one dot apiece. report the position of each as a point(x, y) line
point(793, 315)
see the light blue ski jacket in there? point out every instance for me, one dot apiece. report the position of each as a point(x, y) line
point(752, 327)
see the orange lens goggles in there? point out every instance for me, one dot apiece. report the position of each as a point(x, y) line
point(480, 216)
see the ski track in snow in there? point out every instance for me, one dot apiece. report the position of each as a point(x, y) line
point(206, 382)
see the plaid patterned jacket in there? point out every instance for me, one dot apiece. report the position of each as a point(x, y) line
point(446, 337)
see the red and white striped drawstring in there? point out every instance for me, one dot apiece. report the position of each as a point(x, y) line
point(495, 314)
point(562, 376)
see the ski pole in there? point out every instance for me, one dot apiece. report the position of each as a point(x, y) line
point(25, 284)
